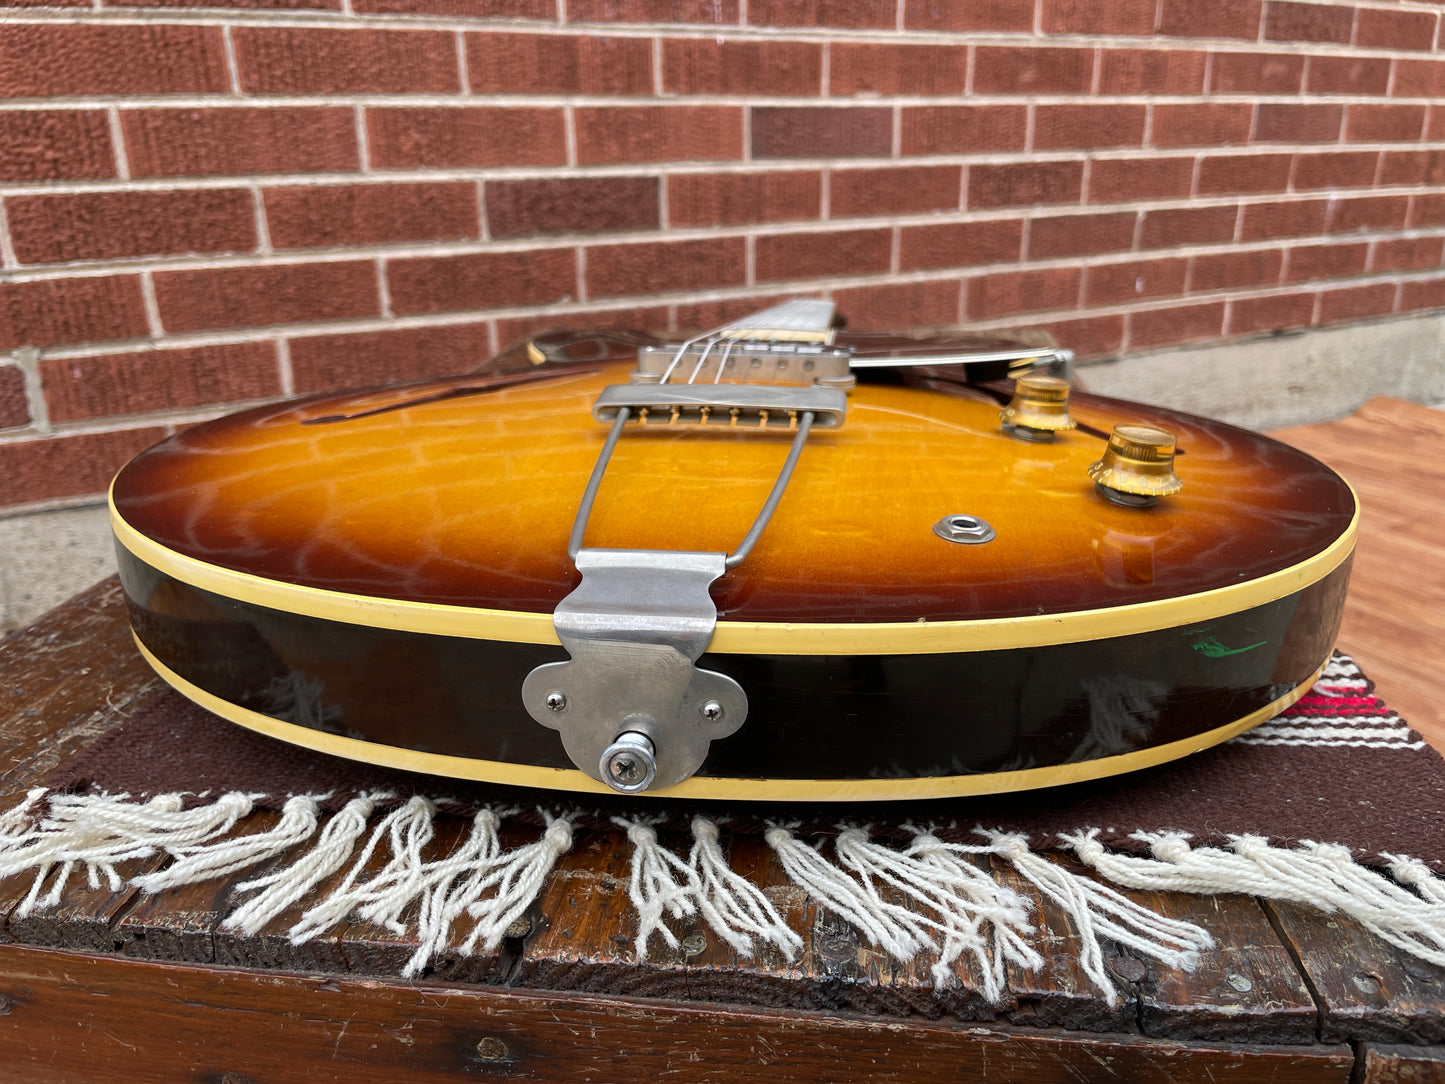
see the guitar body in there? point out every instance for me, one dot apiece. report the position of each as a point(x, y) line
point(375, 574)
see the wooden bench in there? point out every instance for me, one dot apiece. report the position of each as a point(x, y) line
point(121, 986)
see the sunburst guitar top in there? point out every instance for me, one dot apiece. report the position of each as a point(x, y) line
point(771, 563)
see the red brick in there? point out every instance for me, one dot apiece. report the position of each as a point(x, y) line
point(1301, 218)
point(1349, 75)
point(55, 145)
point(1307, 263)
point(322, 216)
point(251, 5)
point(974, 15)
point(1206, 125)
point(1187, 226)
point(50, 312)
point(710, 66)
point(850, 14)
point(220, 297)
point(1228, 173)
point(114, 225)
point(1236, 270)
point(1356, 302)
point(1095, 17)
point(1422, 294)
point(1091, 337)
point(1435, 126)
point(1374, 123)
point(14, 403)
point(1308, 22)
point(55, 60)
point(1023, 183)
point(897, 69)
point(658, 268)
point(822, 255)
point(1279, 313)
point(789, 132)
point(1419, 78)
point(904, 306)
point(483, 280)
point(669, 133)
point(1113, 179)
point(461, 136)
point(496, 9)
point(1151, 71)
point(1413, 168)
point(1179, 324)
point(1029, 70)
point(520, 329)
point(1006, 292)
point(1081, 235)
point(1256, 73)
point(1366, 213)
point(1217, 19)
point(329, 362)
point(38, 470)
point(961, 244)
point(135, 383)
point(558, 64)
point(571, 205)
point(963, 129)
point(1380, 29)
point(1428, 210)
point(1349, 169)
point(1111, 284)
point(895, 191)
point(1085, 127)
point(1407, 254)
point(237, 141)
point(1285, 123)
point(316, 60)
point(737, 199)
point(652, 11)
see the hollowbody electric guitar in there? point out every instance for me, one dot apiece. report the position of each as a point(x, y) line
point(771, 562)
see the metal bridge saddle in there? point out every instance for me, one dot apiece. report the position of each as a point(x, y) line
point(632, 708)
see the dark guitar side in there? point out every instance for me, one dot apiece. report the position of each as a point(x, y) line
point(374, 574)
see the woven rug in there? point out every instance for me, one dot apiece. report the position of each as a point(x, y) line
point(1335, 803)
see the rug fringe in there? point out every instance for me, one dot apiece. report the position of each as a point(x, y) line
point(928, 896)
point(1322, 875)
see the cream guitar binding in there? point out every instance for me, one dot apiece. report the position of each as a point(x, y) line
point(772, 562)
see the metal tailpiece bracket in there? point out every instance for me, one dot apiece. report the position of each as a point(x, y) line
point(632, 708)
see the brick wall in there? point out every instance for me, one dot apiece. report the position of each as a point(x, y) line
point(210, 202)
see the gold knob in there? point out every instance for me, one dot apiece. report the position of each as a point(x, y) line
point(1138, 466)
point(1039, 408)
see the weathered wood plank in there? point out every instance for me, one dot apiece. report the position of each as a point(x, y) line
point(1367, 990)
point(1381, 1064)
point(1246, 989)
point(70, 1017)
point(1060, 994)
point(64, 681)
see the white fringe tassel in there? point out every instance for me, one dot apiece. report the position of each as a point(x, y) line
point(734, 907)
point(1323, 875)
point(926, 897)
point(101, 831)
point(285, 886)
point(1096, 910)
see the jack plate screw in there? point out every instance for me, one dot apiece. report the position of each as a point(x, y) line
point(556, 701)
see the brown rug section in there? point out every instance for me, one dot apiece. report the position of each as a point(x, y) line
point(1338, 767)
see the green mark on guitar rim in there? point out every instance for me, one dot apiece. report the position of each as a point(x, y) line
point(1214, 649)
